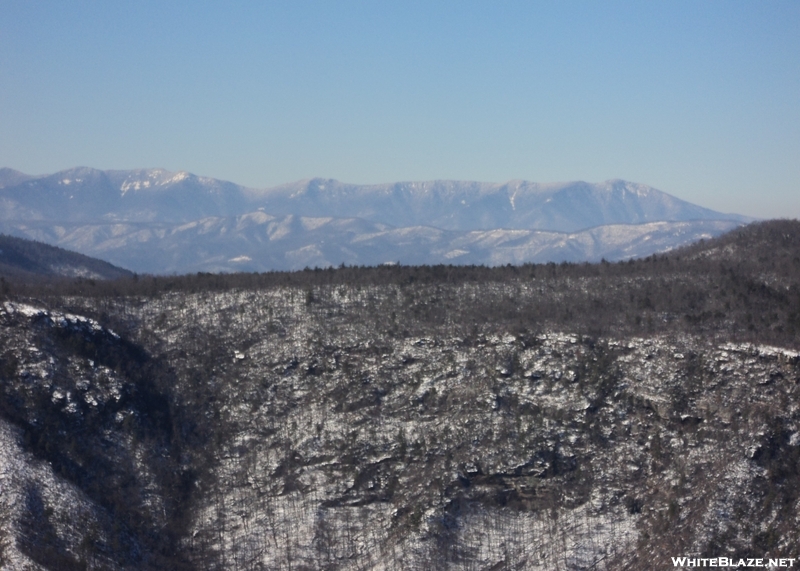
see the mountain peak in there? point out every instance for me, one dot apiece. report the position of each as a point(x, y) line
point(161, 195)
point(10, 177)
point(142, 179)
point(324, 221)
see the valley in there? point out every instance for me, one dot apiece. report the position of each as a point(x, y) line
point(550, 416)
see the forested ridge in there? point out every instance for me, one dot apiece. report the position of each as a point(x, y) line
point(549, 416)
point(31, 261)
point(743, 285)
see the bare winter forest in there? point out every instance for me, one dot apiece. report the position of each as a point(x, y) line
point(551, 416)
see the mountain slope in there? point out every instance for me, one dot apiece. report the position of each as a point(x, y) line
point(155, 221)
point(156, 195)
point(10, 177)
point(94, 483)
point(90, 195)
point(261, 242)
point(455, 205)
point(28, 259)
point(577, 417)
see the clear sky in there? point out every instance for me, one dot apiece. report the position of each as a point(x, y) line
point(700, 99)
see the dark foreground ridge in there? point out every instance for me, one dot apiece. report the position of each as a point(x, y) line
point(570, 416)
point(31, 261)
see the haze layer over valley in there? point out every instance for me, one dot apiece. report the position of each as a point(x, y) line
point(155, 221)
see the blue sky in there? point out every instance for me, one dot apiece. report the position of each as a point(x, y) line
point(699, 99)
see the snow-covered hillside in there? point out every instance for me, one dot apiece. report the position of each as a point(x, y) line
point(155, 221)
point(569, 417)
point(466, 205)
point(260, 242)
point(156, 195)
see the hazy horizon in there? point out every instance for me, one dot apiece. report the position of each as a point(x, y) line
point(697, 100)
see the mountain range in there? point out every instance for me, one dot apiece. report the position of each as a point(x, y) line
point(156, 221)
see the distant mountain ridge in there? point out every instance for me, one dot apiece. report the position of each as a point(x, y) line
point(142, 195)
point(259, 242)
point(156, 195)
point(10, 177)
point(457, 205)
point(153, 220)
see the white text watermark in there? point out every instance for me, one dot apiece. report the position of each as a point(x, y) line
point(733, 562)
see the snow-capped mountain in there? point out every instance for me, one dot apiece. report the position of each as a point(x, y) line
point(156, 195)
point(153, 220)
point(458, 205)
point(144, 195)
point(261, 242)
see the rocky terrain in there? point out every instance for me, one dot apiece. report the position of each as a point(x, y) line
point(606, 416)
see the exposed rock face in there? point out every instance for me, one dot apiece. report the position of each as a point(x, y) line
point(447, 423)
